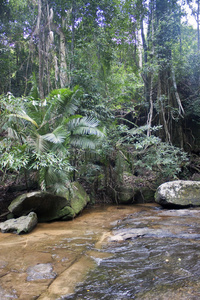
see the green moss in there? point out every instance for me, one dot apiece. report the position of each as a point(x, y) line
point(67, 213)
point(79, 198)
point(50, 207)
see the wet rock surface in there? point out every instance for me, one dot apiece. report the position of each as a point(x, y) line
point(156, 256)
point(40, 271)
point(54, 257)
point(176, 217)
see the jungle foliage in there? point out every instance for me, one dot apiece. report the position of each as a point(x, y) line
point(99, 91)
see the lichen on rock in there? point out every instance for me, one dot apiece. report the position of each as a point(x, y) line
point(178, 193)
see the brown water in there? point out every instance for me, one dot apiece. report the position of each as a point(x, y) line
point(129, 252)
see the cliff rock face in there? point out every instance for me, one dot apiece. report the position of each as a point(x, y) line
point(178, 193)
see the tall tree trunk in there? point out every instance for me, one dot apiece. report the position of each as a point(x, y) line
point(145, 74)
point(37, 32)
point(73, 17)
point(150, 114)
point(41, 90)
point(63, 63)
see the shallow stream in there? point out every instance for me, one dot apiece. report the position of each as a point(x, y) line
point(156, 255)
point(112, 253)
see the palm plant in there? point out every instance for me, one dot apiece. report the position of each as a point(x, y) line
point(49, 129)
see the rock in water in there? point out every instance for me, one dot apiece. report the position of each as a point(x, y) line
point(23, 224)
point(178, 193)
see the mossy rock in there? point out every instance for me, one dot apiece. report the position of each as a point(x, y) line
point(144, 195)
point(78, 198)
point(125, 195)
point(50, 207)
point(122, 195)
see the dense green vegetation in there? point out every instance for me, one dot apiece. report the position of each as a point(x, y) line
point(105, 92)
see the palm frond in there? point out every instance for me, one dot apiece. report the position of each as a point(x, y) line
point(23, 115)
point(61, 149)
point(66, 100)
point(57, 180)
point(85, 126)
point(58, 136)
point(84, 130)
point(37, 143)
point(84, 142)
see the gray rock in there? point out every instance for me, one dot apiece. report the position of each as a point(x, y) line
point(23, 224)
point(7, 295)
point(40, 271)
point(127, 234)
point(50, 207)
point(179, 193)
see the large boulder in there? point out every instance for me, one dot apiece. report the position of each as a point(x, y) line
point(50, 207)
point(178, 193)
point(22, 224)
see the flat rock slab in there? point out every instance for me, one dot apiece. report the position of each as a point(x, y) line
point(20, 225)
point(28, 261)
point(7, 294)
point(178, 193)
point(40, 271)
point(128, 234)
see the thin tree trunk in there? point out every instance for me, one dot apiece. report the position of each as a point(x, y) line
point(150, 114)
point(73, 32)
point(143, 40)
point(162, 114)
point(180, 107)
point(56, 70)
point(41, 90)
point(63, 63)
